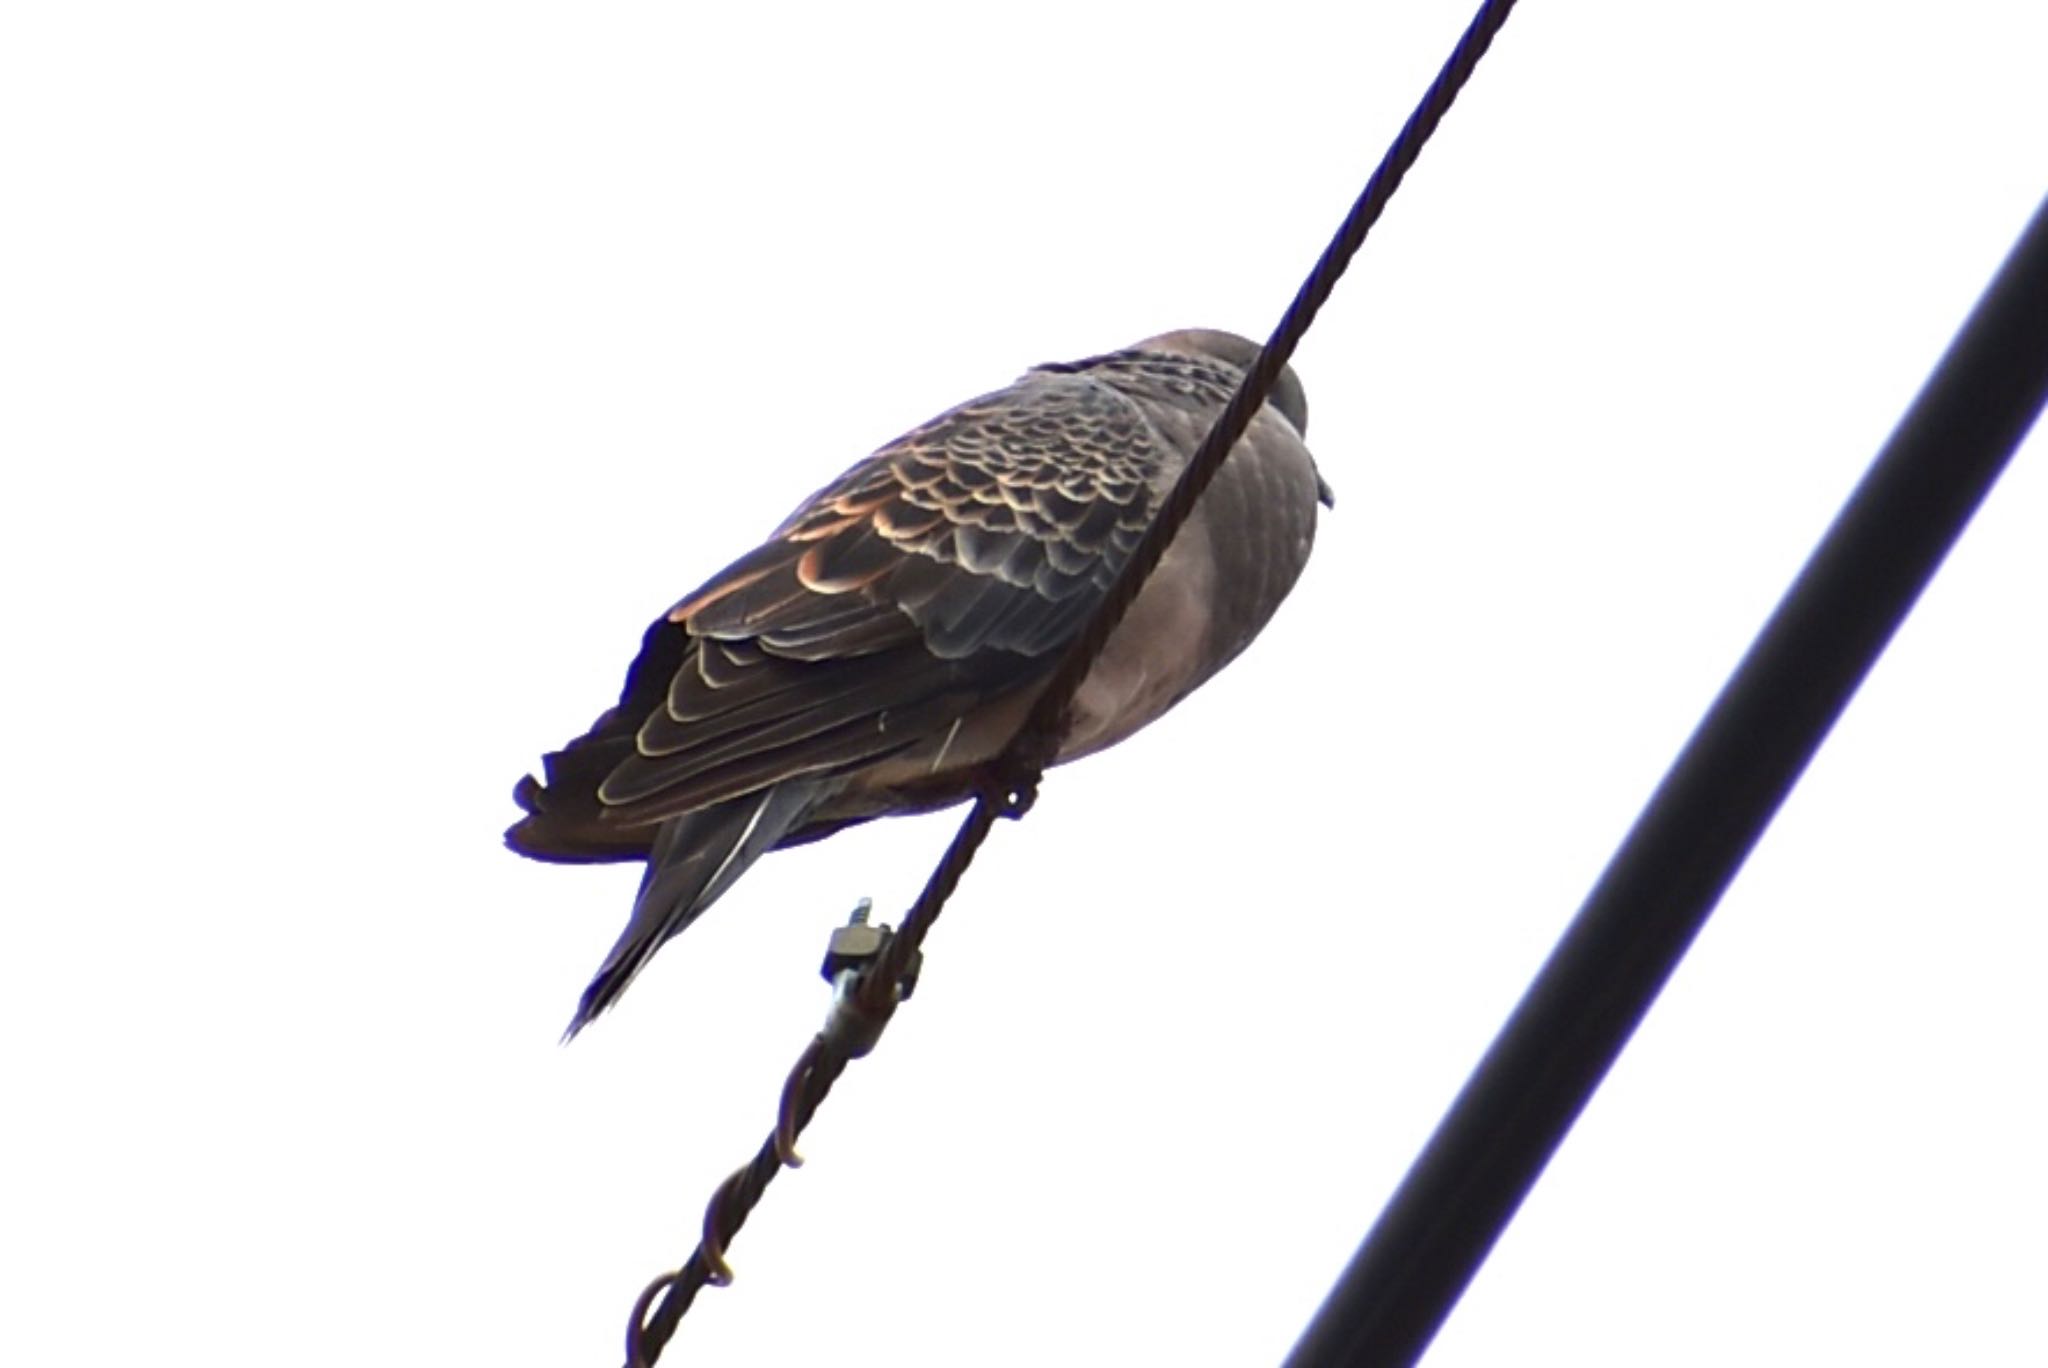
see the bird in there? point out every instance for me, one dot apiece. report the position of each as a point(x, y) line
point(885, 643)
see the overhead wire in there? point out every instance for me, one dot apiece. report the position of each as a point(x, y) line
point(1699, 826)
point(1011, 782)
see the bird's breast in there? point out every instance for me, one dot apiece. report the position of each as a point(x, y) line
point(1160, 651)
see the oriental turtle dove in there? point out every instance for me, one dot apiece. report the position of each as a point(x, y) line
point(887, 640)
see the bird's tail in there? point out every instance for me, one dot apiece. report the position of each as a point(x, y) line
point(695, 858)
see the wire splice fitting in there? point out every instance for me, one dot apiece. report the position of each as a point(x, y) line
point(854, 1024)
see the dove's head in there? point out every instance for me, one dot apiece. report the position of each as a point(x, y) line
point(1213, 344)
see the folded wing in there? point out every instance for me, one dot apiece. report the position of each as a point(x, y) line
point(945, 571)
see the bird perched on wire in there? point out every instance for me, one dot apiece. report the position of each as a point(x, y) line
point(886, 642)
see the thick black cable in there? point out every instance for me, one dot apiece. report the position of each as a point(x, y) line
point(1706, 815)
point(1012, 781)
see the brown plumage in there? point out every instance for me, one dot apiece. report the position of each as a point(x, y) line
point(889, 637)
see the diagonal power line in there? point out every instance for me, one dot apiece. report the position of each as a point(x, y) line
point(1700, 825)
point(1012, 780)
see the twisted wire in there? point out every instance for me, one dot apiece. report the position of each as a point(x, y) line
point(1010, 783)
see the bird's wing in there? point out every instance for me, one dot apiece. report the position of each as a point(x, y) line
point(947, 569)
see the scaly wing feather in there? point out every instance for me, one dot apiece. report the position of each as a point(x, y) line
point(946, 569)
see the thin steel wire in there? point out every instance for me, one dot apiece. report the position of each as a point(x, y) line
point(1011, 781)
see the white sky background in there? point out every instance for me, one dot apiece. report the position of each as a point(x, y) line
point(375, 372)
